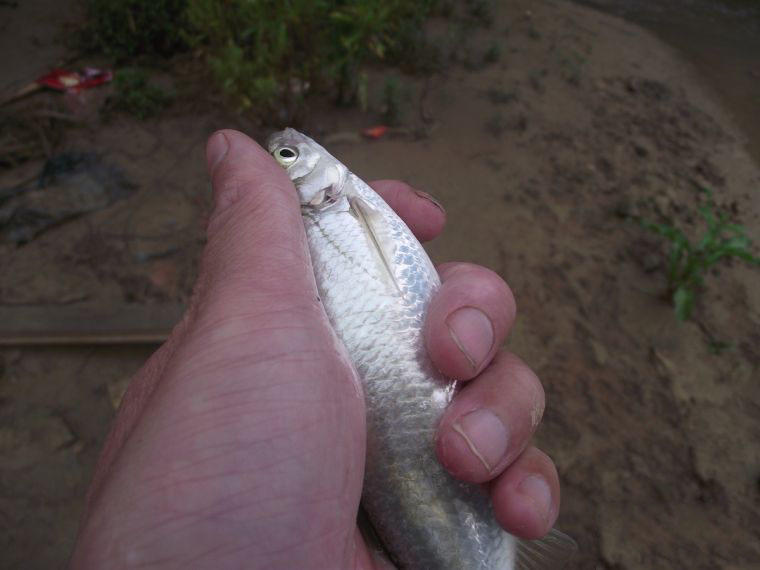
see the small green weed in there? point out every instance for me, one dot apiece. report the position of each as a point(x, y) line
point(124, 29)
point(500, 96)
point(136, 96)
point(392, 95)
point(688, 261)
point(271, 54)
point(718, 347)
point(496, 125)
point(492, 54)
point(480, 11)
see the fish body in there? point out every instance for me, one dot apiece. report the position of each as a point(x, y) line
point(376, 281)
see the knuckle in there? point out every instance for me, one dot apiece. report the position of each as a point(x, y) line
point(528, 379)
point(527, 383)
point(490, 283)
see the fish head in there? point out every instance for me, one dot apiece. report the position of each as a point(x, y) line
point(316, 174)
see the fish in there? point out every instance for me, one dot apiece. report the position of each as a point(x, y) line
point(375, 281)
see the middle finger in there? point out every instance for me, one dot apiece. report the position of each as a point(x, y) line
point(468, 319)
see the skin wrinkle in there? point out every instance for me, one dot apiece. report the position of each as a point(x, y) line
point(264, 408)
point(176, 515)
point(274, 263)
point(265, 397)
point(292, 317)
point(213, 513)
point(230, 225)
point(296, 423)
point(287, 548)
point(231, 503)
point(247, 347)
point(269, 283)
point(305, 316)
point(266, 403)
point(206, 554)
point(274, 249)
point(290, 429)
point(210, 368)
point(232, 190)
point(259, 394)
point(269, 396)
point(156, 562)
point(172, 474)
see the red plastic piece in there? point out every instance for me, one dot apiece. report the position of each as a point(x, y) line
point(375, 132)
point(67, 80)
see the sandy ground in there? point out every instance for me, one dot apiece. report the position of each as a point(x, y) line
point(537, 158)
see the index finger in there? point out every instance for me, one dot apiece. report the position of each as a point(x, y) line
point(468, 319)
point(420, 211)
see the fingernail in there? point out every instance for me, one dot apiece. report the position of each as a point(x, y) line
point(485, 436)
point(537, 490)
point(430, 199)
point(472, 332)
point(217, 148)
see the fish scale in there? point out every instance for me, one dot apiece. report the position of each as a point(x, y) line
point(376, 281)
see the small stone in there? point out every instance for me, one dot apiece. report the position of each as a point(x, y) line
point(116, 390)
point(664, 365)
point(164, 274)
point(663, 203)
point(651, 262)
point(56, 434)
point(599, 352)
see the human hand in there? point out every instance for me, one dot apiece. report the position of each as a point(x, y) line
point(241, 440)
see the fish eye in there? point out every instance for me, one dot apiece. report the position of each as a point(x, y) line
point(286, 155)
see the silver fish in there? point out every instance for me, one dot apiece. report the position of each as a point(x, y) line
point(375, 281)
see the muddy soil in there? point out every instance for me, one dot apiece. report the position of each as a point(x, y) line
point(540, 159)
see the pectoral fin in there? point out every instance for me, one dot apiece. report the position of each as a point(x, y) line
point(550, 552)
point(371, 220)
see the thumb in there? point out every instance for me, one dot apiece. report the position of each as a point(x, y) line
point(248, 430)
point(256, 249)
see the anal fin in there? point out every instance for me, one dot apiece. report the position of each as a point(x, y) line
point(551, 552)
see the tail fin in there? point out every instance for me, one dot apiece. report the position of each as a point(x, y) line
point(551, 552)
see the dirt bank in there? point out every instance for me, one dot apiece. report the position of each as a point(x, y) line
point(537, 158)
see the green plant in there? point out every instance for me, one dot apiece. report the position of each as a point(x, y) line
point(689, 261)
point(124, 29)
point(271, 54)
point(480, 11)
point(392, 93)
point(499, 96)
point(136, 96)
point(492, 54)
